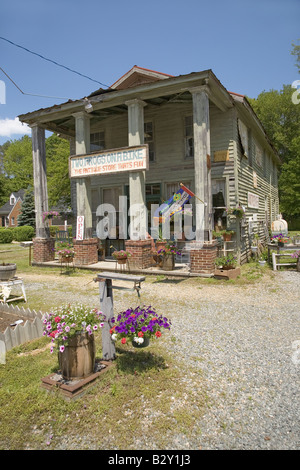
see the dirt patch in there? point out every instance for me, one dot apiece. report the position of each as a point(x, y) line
point(9, 319)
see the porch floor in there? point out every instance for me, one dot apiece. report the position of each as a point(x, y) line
point(180, 270)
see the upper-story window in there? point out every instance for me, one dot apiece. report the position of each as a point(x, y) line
point(149, 139)
point(189, 137)
point(97, 141)
point(12, 200)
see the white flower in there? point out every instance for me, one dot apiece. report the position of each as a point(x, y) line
point(138, 340)
point(114, 337)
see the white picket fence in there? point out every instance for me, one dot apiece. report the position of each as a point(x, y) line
point(23, 332)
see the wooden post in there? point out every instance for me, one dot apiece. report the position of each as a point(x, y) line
point(40, 180)
point(83, 185)
point(107, 308)
point(202, 161)
point(137, 194)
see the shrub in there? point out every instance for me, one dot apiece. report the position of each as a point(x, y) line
point(23, 233)
point(6, 236)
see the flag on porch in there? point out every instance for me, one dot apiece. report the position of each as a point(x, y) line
point(173, 205)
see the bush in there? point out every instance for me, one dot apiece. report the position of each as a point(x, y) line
point(6, 236)
point(24, 233)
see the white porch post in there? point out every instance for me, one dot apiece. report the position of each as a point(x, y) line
point(83, 185)
point(202, 161)
point(40, 179)
point(137, 193)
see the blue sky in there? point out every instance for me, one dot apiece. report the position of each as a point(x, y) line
point(247, 44)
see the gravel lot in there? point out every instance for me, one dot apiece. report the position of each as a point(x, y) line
point(241, 344)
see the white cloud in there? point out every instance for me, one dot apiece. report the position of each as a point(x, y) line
point(10, 127)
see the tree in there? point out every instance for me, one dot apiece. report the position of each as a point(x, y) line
point(59, 188)
point(280, 117)
point(27, 216)
point(17, 164)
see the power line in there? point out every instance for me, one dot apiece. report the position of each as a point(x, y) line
point(53, 62)
point(30, 94)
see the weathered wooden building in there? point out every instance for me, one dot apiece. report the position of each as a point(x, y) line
point(196, 133)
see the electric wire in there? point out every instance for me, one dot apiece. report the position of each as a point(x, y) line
point(53, 61)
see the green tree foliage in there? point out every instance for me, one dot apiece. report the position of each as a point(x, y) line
point(27, 216)
point(17, 169)
point(281, 120)
point(57, 152)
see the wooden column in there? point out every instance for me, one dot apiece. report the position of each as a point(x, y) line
point(40, 179)
point(83, 185)
point(202, 161)
point(137, 193)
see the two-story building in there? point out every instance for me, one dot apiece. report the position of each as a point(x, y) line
point(132, 144)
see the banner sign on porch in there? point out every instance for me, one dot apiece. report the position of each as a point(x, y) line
point(173, 205)
point(80, 227)
point(109, 161)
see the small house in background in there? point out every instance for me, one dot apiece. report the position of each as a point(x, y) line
point(139, 139)
point(10, 211)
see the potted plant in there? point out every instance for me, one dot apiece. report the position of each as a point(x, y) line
point(166, 257)
point(281, 239)
point(138, 326)
point(227, 234)
point(254, 244)
point(71, 329)
point(121, 256)
point(226, 262)
point(237, 211)
point(65, 252)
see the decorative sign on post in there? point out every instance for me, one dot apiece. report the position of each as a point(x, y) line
point(109, 161)
point(80, 227)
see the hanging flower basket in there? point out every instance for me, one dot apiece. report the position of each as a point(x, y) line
point(237, 211)
point(49, 215)
point(138, 326)
point(121, 256)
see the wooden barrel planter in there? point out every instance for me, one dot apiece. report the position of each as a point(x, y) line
point(168, 262)
point(7, 271)
point(78, 359)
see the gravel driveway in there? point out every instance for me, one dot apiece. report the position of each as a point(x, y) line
point(241, 344)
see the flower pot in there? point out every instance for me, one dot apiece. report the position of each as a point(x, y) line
point(65, 259)
point(78, 358)
point(281, 244)
point(168, 262)
point(7, 271)
point(142, 345)
point(227, 237)
point(121, 260)
point(227, 267)
point(262, 262)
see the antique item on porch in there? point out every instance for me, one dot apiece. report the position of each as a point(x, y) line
point(121, 256)
point(138, 326)
point(72, 329)
point(7, 271)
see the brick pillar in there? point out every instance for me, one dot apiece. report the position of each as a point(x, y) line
point(43, 249)
point(140, 253)
point(203, 259)
point(86, 251)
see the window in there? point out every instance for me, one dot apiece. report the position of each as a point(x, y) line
point(149, 139)
point(219, 203)
point(97, 141)
point(12, 200)
point(12, 221)
point(189, 137)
